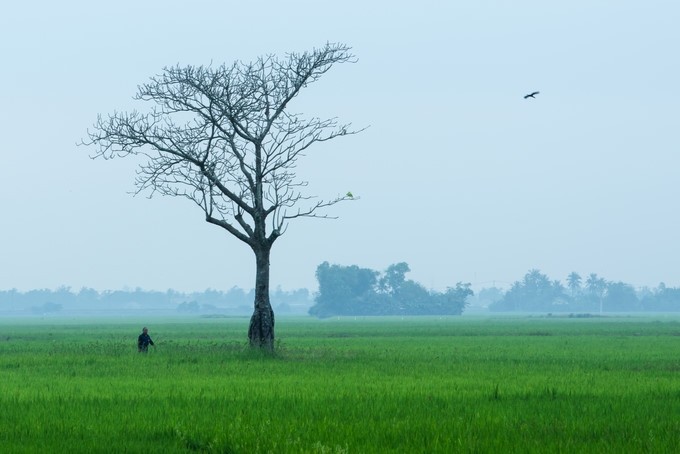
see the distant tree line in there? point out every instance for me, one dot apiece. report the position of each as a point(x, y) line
point(45, 301)
point(537, 292)
point(351, 290)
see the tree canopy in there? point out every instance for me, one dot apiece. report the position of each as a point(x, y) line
point(225, 138)
point(351, 290)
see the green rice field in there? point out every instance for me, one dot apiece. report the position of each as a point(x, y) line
point(369, 385)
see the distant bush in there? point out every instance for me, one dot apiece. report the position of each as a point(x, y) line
point(189, 307)
point(47, 308)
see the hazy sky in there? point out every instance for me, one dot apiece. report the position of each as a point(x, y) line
point(458, 175)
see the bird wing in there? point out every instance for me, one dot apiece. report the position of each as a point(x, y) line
point(535, 93)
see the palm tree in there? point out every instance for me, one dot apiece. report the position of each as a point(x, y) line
point(596, 287)
point(574, 283)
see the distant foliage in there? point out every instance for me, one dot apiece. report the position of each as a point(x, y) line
point(63, 299)
point(532, 293)
point(47, 308)
point(351, 290)
point(189, 307)
point(537, 293)
point(661, 299)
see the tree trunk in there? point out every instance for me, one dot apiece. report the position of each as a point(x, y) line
point(261, 330)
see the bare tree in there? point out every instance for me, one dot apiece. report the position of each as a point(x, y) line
point(224, 138)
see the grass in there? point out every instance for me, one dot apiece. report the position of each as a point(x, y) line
point(453, 384)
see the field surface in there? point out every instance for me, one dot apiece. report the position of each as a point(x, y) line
point(414, 385)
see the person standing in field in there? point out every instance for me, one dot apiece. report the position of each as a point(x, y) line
point(144, 340)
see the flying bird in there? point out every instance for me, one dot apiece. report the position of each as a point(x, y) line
point(531, 95)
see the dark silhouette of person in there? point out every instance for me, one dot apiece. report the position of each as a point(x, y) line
point(144, 340)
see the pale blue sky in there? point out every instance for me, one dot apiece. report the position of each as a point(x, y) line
point(458, 175)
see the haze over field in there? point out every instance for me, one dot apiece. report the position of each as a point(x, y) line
point(458, 175)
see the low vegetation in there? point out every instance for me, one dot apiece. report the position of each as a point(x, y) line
point(449, 384)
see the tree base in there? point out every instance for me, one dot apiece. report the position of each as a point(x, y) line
point(261, 330)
